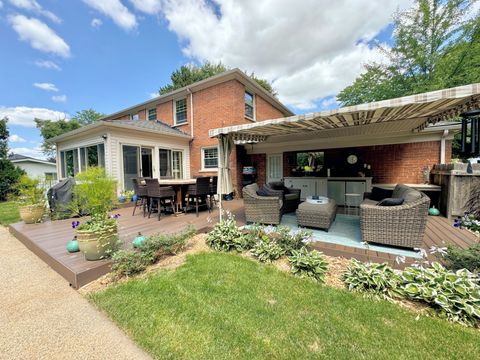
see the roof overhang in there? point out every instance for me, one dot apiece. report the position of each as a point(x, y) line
point(234, 74)
point(406, 114)
point(99, 125)
point(34, 161)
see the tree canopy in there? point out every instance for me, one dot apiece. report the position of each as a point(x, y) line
point(435, 47)
point(189, 74)
point(9, 173)
point(87, 116)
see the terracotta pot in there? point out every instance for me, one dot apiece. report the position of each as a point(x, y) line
point(96, 245)
point(32, 214)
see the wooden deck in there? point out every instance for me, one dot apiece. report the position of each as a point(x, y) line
point(48, 240)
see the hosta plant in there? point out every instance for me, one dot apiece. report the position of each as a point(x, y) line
point(226, 236)
point(310, 264)
point(376, 280)
point(290, 239)
point(267, 250)
point(454, 295)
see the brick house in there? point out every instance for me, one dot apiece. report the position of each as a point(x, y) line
point(167, 136)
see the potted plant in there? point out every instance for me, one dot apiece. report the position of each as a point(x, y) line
point(31, 199)
point(95, 196)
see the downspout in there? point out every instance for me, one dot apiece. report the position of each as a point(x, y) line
point(191, 110)
point(443, 146)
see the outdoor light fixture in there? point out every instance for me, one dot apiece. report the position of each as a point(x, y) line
point(470, 120)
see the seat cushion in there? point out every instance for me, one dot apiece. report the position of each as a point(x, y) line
point(411, 195)
point(391, 202)
point(379, 194)
point(262, 192)
point(292, 197)
point(369, 202)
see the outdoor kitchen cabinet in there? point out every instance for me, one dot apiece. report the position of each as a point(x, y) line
point(309, 186)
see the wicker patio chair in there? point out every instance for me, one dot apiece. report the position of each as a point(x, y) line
point(261, 209)
point(402, 225)
point(142, 196)
point(289, 196)
point(199, 193)
point(159, 195)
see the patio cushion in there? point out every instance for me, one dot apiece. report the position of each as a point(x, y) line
point(292, 196)
point(411, 195)
point(391, 202)
point(262, 192)
point(379, 194)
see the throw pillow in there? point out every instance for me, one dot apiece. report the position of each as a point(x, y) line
point(262, 192)
point(379, 194)
point(391, 202)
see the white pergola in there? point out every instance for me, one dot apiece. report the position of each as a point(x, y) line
point(408, 114)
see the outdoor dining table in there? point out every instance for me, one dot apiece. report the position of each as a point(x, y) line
point(178, 185)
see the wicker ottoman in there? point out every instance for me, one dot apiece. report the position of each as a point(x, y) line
point(317, 215)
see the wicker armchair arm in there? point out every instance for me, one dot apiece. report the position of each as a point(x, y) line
point(404, 210)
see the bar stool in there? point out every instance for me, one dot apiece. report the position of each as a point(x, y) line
point(351, 202)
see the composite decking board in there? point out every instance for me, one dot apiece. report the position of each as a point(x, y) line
point(48, 240)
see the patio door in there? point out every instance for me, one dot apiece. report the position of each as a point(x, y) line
point(137, 161)
point(274, 167)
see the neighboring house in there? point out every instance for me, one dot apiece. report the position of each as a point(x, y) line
point(167, 136)
point(36, 168)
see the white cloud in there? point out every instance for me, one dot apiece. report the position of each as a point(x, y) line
point(32, 152)
point(59, 98)
point(154, 95)
point(39, 35)
point(148, 6)
point(25, 116)
point(1, 4)
point(114, 9)
point(96, 23)
point(47, 64)
point(16, 139)
point(310, 49)
point(35, 7)
point(46, 86)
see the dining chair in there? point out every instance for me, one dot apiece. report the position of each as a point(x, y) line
point(213, 191)
point(199, 192)
point(159, 196)
point(142, 196)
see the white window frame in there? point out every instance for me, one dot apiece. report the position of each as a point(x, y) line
point(203, 158)
point(148, 113)
point(175, 122)
point(254, 109)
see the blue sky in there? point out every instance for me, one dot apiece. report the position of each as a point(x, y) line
point(59, 57)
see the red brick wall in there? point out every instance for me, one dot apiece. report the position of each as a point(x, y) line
point(396, 163)
point(259, 161)
point(265, 111)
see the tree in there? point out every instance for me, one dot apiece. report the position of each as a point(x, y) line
point(434, 48)
point(9, 173)
point(49, 129)
point(189, 74)
point(87, 116)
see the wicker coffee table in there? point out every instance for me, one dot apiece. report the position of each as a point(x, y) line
point(317, 215)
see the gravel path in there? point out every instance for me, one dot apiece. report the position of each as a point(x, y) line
point(41, 317)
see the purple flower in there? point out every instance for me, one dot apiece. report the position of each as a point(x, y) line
point(75, 224)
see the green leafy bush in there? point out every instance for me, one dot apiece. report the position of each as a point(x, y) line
point(309, 264)
point(376, 280)
point(226, 236)
point(454, 295)
point(127, 263)
point(158, 245)
point(291, 240)
point(267, 250)
point(29, 192)
point(458, 258)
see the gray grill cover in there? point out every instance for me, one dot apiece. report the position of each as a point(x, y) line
point(60, 196)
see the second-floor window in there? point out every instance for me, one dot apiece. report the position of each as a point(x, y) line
point(210, 158)
point(152, 114)
point(249, 105)
point(180, 111)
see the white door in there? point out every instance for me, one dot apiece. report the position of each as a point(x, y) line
point(274, 167)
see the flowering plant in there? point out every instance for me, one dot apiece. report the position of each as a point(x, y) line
point(468, 221)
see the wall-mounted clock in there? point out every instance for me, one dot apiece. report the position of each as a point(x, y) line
point(352, 159)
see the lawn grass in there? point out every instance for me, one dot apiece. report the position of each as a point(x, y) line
point(223, 306)
point(9, 213)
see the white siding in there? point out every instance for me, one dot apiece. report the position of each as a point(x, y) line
point(35, 169)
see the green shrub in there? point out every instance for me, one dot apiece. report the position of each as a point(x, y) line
point(291, 240)
point(267, 250)
point(468, 221)
point(458, 258)
point(454, 295)
point(156, 246)
point(29, 191)
point(309, 264)
point(376, 280)
point(127, 263)
point(226, 236)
